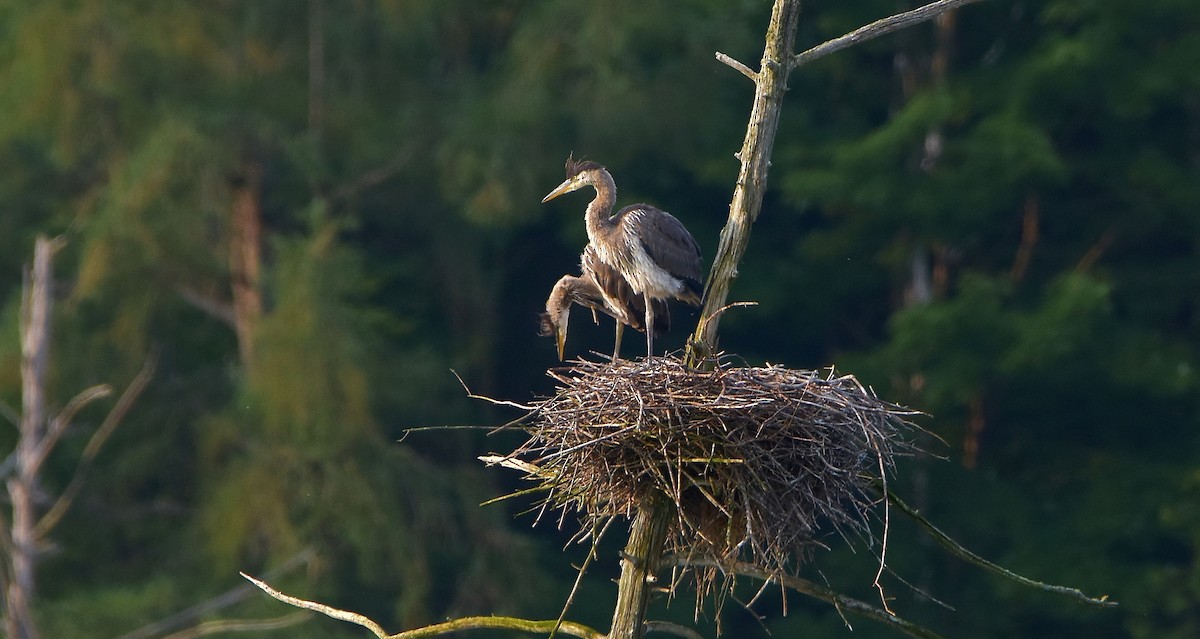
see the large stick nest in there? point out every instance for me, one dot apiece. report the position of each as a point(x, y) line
point(755, 459)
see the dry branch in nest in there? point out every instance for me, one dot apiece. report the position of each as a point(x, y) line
point(755, 459)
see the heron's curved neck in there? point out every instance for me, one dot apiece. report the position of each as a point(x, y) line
point(599, 213)
point(558, 296)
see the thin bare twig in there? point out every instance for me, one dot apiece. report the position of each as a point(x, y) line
point(962, 553)
point(498, 402)
point(597, 535)
point(110, 423)
point(878, 28)
point(60, 423)
point(737, 66)
point(1097, 251)
point(210, 304)
point(456, 625)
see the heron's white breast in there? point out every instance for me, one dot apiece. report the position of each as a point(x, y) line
point(626, 253)
point(642, 272)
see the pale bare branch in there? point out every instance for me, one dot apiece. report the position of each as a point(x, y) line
point(217, 308)
point(737, 66)
point(959, 551)
point(456, 625)
point(35, 326)
point(61, 422)
point(511, 463)
point(498, 402)
point(878, 28)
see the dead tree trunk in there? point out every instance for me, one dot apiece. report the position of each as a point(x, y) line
point(245, 259)
point(770, 82)
point(642, 553)
point(39, 433)
point(23, 485)
point(644, 548)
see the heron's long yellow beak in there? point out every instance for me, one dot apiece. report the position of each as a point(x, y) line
point(560, 337)
point(566, 187)
point(560, 330)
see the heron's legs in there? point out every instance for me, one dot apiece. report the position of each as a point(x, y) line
point(617, 346)
point(649, 326)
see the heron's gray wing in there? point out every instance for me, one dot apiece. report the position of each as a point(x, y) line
point(620, 300)
point(586, 293)
point(667, 241)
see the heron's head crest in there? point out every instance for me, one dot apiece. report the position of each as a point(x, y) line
point(575, 167)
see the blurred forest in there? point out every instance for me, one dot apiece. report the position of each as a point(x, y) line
point(314, 211)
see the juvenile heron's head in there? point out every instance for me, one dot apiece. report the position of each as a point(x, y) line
point(558, 313)
point(580, 173)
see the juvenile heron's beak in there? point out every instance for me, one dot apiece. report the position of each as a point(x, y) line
point(560, 334)
point(570, 184)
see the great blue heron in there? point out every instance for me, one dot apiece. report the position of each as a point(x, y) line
point(647, 246)
point(599, 287)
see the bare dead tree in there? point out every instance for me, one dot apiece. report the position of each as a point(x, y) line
point(21, 551)
point(38, 435)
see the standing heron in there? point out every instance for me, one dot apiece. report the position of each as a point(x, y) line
point(647, 246)
point(599, 287)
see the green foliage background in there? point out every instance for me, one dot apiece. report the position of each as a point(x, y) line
point(403, 238)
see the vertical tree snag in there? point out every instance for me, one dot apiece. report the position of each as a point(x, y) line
point(641, 556)
point(245, 257)
point(39, 434)
point(770, 83)
point(644, 548)
point(22, 487)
